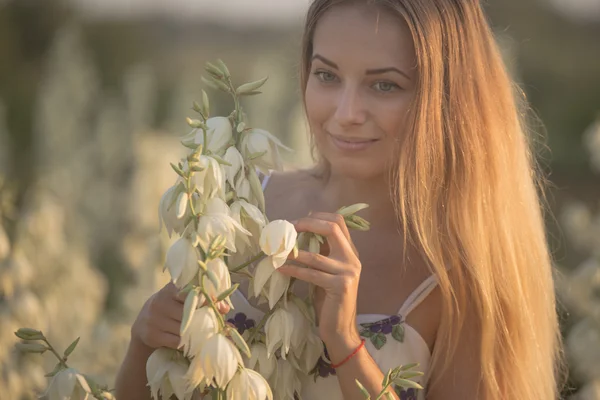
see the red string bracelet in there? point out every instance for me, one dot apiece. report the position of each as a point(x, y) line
point(345, 360)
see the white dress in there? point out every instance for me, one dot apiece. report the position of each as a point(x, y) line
point(389, 340)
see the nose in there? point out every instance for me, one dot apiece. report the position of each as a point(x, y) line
point(350, 108)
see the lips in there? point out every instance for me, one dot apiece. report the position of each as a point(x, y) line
point(346, 144)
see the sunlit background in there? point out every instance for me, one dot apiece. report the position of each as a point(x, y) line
point(94, 95)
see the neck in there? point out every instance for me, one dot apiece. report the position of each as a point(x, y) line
point(341, 190)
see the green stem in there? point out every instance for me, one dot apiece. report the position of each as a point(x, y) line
point(62, 360)
point(252, 260)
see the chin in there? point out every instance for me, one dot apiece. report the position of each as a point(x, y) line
point(365, 169)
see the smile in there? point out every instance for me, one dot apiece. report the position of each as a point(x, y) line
point(351, 144)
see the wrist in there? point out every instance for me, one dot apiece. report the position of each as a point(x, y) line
point(341, 347)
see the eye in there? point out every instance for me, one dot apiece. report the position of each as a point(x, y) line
point(325, 76)
point(386, 87)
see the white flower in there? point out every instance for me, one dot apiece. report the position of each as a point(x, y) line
point(313, 350)
point(286, 380)
point(248, 385)
point(258, 141)
point(203, 326)
point(243, 189)
point(219, 359)
point(262, 273)
point(233, 157)
point(182, 262)
point(167, 211)
point(251, 218)
point(220, 271)
point(278, 285)
point(260, 361)
point(165, 370)
point(69, 384)
point(210, 181)
point(218, 134)
point(300, 323)
point(278, 239)
point(218, 221)
point(195, 377)
point(279, 329)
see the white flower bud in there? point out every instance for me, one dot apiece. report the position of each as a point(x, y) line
point(203, 326)
point(233, 157)
point(165, 371)
point(260, 361)
point(279, 328)
point(68, 384)
point(182, 262)
point(218, 135)
point(278, 239)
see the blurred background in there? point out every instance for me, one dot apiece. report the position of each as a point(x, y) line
point(94, 95)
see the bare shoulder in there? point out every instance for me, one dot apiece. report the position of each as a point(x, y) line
point(291, 194)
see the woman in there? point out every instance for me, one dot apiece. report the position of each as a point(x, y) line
point(411, 111)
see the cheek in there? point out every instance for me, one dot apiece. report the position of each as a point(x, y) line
point(316, 108)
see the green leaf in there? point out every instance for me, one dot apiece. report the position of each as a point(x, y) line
point(228, 292)
point(177, 170)
point(364, 390)
point(366, 333)
point(223, 68)
point(379, 340)
point(71, 347)
point(31, 347)
point(247, 88)
point(212, 277)
point(213, 70)
point(29, 334)
point(389, 396)
point(205, 105)
point(409, 366)
point(410, 375)
point(191, 302)
point(386, 379)
point(240, 342)
point(405, 383)
point(398, 332)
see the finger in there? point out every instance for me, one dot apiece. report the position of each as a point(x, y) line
point(320, 262)
point(174, 292)
point(173, 309)
point(223, 307)
point(165, 339)
point(339, 220)
point(336, 218)
point(167, 325)
point(314, 276)
point(332, 231)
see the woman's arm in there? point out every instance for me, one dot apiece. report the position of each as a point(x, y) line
point(361, 366)
point(131, 382)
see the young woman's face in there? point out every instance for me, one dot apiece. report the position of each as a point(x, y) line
point(360, 85)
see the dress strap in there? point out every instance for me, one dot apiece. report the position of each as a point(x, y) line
point(418, 295)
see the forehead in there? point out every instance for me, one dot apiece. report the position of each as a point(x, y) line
point(364, 35)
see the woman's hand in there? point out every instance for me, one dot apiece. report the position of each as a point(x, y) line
point(335, 272)
point(158, 323)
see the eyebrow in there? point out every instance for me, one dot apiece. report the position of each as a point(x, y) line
point(368, 72)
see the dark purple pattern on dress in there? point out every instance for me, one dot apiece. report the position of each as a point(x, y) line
point(241, 322)
point(406, 394)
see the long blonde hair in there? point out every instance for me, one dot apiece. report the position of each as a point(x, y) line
point(467, 192)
